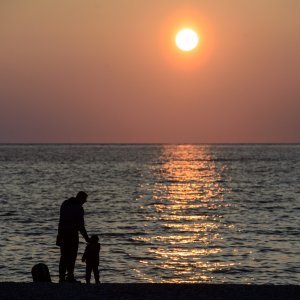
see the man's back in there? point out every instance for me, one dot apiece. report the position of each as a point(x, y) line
point(71, 216)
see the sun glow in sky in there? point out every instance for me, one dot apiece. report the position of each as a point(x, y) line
point(187, 39)
point(110, 71)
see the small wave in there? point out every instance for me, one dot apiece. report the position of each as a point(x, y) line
point(293, 270)
point(144, 258)
point(121, 234)
point(7, 214)
point(234, 270)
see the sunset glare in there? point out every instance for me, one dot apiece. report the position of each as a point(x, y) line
point(187, 39)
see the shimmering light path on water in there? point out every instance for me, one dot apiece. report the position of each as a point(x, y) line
point(164, 213)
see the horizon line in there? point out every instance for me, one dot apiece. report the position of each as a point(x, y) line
point(149, 143)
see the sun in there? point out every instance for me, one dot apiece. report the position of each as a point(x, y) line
point(186, 39)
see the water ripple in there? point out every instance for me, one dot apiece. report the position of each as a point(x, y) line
point(174, 213)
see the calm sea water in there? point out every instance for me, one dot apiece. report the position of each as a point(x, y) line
point(164, 213)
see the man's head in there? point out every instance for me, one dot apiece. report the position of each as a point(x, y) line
point(81, 197)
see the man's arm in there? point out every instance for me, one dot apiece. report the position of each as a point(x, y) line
point(82, 229)
point(84, 234)
point(83, 259)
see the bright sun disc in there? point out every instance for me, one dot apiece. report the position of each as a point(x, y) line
point(187, 39)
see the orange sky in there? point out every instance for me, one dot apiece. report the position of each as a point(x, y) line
point(108, 71)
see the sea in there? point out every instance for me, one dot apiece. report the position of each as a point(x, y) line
point(164, 213)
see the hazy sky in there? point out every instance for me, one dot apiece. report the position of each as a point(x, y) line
point(109, 71)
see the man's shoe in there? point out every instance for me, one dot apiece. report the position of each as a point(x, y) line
point(72, 280)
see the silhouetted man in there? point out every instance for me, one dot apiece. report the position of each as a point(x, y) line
point(70, 223)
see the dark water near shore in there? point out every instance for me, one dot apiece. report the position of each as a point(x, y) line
point(164, 213)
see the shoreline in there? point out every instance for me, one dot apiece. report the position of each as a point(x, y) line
point(153, 291)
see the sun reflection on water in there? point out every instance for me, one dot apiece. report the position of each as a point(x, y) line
point(185, 208)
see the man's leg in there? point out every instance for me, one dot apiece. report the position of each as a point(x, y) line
point(62, 264)
point(71, 259)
